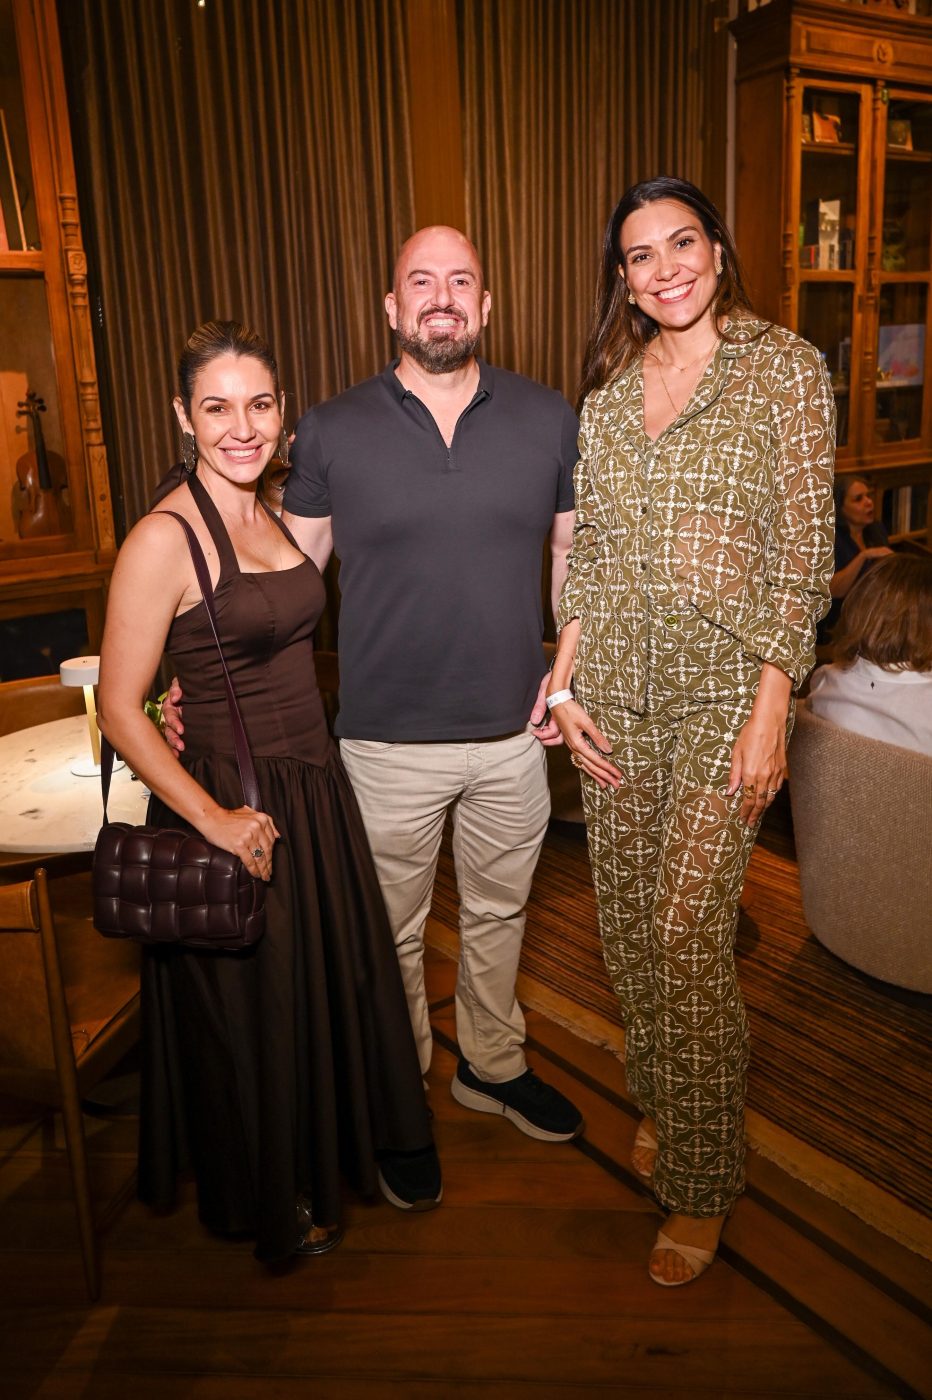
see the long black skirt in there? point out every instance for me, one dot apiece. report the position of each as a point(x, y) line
point(273, 1072)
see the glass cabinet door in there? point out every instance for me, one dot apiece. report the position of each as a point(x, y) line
point(901, 411)
point(19, 229)
point(830, 232)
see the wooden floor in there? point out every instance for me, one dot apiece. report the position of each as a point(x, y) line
point(530, 1281)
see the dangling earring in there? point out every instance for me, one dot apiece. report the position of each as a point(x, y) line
point(189, 453)
point(632, 298)
point(718, 265)
point(283, 447)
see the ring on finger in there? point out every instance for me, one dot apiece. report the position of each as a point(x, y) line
point(576, 760)
point(258, 853)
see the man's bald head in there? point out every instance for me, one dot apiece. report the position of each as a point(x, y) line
point(433, 242)
point(438, 304)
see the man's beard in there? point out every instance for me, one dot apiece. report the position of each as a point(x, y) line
point(438, 355)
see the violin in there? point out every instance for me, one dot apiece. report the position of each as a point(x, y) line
point(43, 479)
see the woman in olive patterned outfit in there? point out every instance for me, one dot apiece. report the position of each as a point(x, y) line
point(700, 566)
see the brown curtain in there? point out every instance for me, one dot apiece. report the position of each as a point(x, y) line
point(566, 103)
point(247, 160)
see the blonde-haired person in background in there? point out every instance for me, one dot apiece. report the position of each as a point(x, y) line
point(880, 682)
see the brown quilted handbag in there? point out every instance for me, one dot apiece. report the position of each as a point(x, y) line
point(166, 886)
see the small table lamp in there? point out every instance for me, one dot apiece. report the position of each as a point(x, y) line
point(85, 671)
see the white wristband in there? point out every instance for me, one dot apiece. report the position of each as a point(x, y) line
point(558, 698)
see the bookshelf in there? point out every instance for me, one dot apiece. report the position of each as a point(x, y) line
point(833, 219)
point(56, 528)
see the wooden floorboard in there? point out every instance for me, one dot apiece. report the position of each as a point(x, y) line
point(530, 1280)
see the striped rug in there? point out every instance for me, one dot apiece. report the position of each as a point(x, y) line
point(840, 1062)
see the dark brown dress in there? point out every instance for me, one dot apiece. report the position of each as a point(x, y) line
point(272, 1072)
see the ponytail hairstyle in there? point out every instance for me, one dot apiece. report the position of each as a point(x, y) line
point(215, 338)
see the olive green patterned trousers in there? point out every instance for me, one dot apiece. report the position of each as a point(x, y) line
point(669, 856)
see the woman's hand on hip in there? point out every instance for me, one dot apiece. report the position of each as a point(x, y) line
point(589, 749)
point(245, 833)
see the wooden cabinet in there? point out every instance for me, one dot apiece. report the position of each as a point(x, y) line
point(56, 526)
point(833, 219)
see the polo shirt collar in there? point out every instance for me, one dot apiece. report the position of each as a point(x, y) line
point(486, 379)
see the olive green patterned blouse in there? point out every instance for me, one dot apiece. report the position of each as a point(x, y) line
point(729, 511)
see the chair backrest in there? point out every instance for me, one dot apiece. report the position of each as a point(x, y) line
point(36, 701)
point(861, 818)
point(25, 1026)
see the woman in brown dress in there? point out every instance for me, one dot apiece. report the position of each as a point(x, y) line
point(270, 1072)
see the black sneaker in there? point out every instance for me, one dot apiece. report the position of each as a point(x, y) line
point(533, 1106)
point(411, 1180)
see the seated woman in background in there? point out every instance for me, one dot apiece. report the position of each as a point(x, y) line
point(880, 683)
point(860, 541)
point(270, 1072)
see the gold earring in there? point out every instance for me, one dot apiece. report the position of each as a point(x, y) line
point(283, 447)
point(632, 298)
point(718, 267)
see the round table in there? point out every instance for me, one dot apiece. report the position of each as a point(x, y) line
point(43, 805)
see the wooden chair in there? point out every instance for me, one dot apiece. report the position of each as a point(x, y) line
point(69, 1012)
point(36, 701)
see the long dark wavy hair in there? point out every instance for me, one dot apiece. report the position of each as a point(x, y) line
point(621, 331)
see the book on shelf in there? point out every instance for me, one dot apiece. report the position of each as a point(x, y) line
point(826, 127)
point(821, 243)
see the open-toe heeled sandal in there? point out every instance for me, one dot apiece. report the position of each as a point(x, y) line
point(646, 1140)
point(697, 1259)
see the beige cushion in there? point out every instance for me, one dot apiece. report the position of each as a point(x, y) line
point(862, 815)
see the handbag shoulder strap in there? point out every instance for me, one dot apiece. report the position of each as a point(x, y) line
point(247, 769)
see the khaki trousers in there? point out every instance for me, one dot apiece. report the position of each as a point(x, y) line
point(497, 793)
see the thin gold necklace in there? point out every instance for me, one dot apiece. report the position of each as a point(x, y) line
point(682, 369)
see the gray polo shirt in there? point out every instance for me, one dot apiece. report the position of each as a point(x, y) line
point(440, 550)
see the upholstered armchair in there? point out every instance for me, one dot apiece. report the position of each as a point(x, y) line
point(862, 816)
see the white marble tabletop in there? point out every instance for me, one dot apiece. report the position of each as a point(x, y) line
point(43, 806)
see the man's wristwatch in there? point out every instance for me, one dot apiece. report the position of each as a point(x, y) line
point(558, 698)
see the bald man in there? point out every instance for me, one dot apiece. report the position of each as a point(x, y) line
point(437, 483)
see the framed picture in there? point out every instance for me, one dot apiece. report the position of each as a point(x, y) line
point(899, 134)
point(900, 355)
